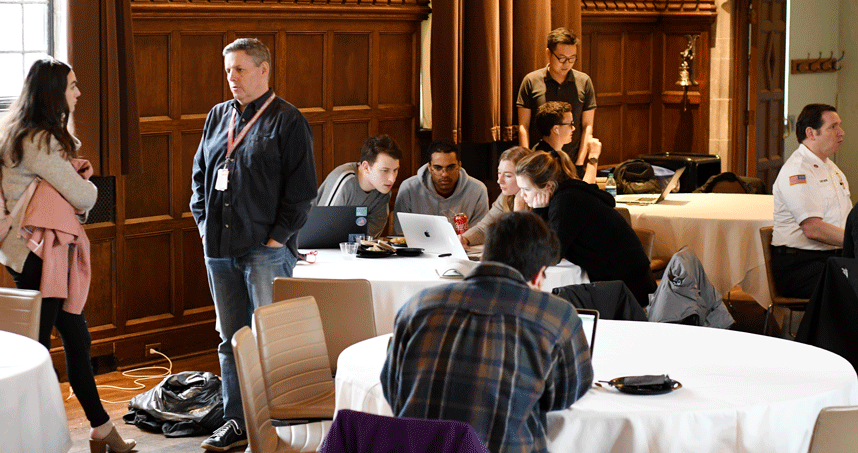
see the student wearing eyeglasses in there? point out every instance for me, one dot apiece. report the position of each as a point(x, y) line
point(556, 126)
point(443, 187)
point(558, 82)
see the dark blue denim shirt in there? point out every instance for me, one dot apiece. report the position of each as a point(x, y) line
point(272, 178)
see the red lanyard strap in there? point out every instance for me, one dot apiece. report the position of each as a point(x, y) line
point(230, 143)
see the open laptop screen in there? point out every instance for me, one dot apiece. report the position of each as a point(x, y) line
point(589, 319)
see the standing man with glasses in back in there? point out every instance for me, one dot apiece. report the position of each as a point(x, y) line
point(254, 177)
point(443, 187)
point(559, 82)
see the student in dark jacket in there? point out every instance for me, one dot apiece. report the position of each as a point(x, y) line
point(592, 233)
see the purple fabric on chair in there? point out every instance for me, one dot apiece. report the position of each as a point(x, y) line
point(360, 432)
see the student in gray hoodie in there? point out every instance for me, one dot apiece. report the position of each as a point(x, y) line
point(442, 187)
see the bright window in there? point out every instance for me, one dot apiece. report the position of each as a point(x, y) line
point(28, 32)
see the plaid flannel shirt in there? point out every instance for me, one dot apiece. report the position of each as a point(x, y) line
point(489, 351)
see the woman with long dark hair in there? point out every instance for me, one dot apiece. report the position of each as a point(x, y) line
point(35, 143)
point(592, 233)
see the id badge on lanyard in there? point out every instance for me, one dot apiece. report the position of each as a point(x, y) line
point(222, 180)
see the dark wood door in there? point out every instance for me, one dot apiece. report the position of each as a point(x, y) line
point(766, 78)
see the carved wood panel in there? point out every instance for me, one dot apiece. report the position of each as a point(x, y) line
point(631, 50)
point(353, 72)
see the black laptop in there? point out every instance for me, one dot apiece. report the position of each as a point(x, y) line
point(327, 226)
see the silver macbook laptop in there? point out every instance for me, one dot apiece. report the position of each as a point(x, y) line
point(432, 233)
point(589, 319)
point(637, 199)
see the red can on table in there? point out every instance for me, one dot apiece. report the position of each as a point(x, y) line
point(461, 222)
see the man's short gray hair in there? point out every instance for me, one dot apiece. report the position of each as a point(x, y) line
point(254, 48)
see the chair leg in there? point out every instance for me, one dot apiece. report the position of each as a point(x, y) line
point(766, 321)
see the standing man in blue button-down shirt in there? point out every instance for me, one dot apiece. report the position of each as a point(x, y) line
point(253, 180)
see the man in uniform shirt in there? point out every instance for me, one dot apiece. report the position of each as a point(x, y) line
point(253, 180)
point(811, 204)
point(558, 82)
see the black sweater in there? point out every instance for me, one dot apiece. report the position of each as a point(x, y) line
point(593, 234)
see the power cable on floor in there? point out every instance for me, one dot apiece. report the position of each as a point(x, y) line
point(138, 379)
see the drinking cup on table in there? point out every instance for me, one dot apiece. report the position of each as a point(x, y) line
point(349, 249)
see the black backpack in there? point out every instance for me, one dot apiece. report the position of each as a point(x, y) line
point(636, 176)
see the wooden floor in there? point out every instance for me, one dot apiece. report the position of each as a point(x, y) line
point(748, 314)
point(146, 442)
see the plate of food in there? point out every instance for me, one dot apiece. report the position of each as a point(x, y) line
point(373, 249)
point(397, 241)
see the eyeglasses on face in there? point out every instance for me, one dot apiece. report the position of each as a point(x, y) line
point(566, 124)
point(448, 169)
point(565, 59)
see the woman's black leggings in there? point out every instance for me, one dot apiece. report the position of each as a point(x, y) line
point(76, 341)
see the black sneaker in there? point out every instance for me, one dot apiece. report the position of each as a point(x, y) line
point(225, 438)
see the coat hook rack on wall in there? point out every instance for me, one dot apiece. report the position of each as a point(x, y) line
point(817, 65)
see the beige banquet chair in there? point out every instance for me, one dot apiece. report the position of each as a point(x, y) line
point(294, 360)
point(20, 310)
point(835, 431)
point(262, 435)
point(345, 306)
point(790, 303)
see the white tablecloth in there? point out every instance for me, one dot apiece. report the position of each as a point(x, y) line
point(31, 405)
point(395, 279)
point(723, 230)
point(741, 392)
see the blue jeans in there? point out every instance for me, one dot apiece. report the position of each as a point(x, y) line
point(239, 285)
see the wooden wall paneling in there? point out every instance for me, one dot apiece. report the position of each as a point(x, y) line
point(331, 61)
point(152, 60)
point(349, 56)
point(396, 58)
point(202, 74)
point(303, 72)
point(348, 139)
point(190, 141)
point(196, 297)
point(149, 289)
point(100, 311)
point(148, 194)
point(323, 159)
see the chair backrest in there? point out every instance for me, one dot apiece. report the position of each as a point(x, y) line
point(835, 431)
point(293, 352)
point(355, 431)
point(624, 211)
point(20, 310)
point(346, 308)
point(766, 242)
point(647, 238)
point(261, 434)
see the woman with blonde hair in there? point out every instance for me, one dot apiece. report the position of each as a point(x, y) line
point(36, 143)
point(509, 199)
point(592, 233)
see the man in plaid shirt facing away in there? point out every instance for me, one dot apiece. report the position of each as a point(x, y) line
point(494, 350)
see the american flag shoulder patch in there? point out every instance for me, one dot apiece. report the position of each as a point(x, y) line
point(797, 179)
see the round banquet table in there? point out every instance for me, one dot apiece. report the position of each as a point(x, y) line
point(395, 279)
point(722, 229)
point(740, 392)
point(31, 405)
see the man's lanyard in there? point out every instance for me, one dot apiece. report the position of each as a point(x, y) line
point(222, 180)
point(230, 143)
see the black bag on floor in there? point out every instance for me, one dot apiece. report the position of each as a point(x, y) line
point(183, 404)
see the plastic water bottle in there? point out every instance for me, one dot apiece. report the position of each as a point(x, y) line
point(611, 185)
